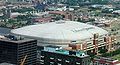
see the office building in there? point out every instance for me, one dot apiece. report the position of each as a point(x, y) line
point(55, 55)
point(13, 50)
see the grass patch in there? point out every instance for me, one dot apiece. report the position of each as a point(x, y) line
point(116, 57)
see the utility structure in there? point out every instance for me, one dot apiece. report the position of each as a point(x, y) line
point(23, 61)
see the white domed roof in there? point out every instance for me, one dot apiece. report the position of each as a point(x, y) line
point(61, 30)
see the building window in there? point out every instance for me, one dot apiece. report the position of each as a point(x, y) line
point(77, 63)
point(59, 64)
point(107, 64)
point(95, 63)
point(42, 60)
point(59, 59)
point(101, 64)
point(42, 56)
point(41, 63)
point(51, 58)
point(67, 61)
point(51, 63)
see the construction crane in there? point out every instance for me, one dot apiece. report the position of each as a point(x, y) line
point(23, 61)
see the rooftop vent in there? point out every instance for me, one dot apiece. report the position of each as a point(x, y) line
point(14, 38)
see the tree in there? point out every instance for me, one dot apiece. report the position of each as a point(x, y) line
point(72, 2)
point(23, 17)
point(103, 50)
point(11, 21)
point(22, 10)
point(92, 55)
point(100, 1)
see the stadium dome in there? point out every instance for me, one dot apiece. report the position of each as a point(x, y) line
point(60, 32)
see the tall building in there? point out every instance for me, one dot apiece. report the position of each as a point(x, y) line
point(13, 50)
point(55, 55)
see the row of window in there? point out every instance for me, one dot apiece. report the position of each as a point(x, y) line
point(53, 60)
point(54, 63)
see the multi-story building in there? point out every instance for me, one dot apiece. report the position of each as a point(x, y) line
point(55, 55)
point(96, 44)
point(13, 50)
point(66, 15)
point(105, 61)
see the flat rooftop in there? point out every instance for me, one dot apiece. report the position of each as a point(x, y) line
point(59, 50)
point(66, 52)
point(15, 39)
